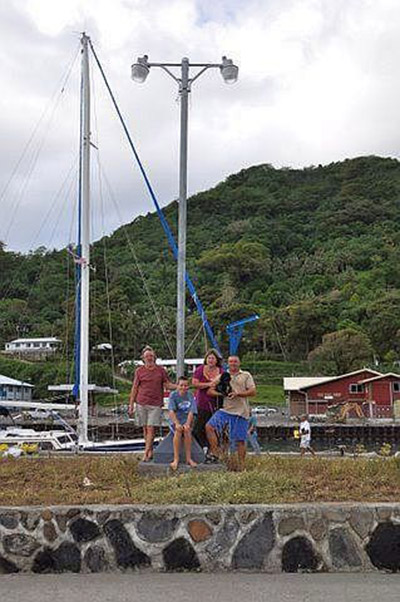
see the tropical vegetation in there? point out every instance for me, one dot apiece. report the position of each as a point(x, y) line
point(314, 251)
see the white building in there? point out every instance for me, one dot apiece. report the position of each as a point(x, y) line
point(39, 345)
point(14, 390)
point(191, 363)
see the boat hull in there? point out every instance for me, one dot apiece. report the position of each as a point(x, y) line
point(131, 445)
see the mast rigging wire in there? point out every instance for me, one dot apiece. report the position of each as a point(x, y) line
point(102, 174)
point(106, 272)
point(51, 106)
point(161, 216)
point(138, 266)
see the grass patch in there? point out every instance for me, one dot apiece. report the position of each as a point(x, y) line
point(269, 395)
point(30, 481)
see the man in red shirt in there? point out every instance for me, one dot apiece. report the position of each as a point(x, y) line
point(146, 398)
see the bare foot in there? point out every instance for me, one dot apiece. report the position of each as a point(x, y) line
point(192, 463)
point(174, 465)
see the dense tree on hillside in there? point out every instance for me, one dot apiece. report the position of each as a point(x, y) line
point(242, 261)
point(382, 322)
point(313, 251)
point(340, 352)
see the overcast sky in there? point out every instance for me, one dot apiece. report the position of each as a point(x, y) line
point(318, 82)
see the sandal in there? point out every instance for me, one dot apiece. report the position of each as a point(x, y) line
point(211, 459)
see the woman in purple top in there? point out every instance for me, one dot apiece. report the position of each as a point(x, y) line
point(204, 377)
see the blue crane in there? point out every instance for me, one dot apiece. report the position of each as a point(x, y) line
point(235, 331)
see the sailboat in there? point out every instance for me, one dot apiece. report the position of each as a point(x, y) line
point(14, 438)
point(68, 439)
point(82, 387)
point(81, 256)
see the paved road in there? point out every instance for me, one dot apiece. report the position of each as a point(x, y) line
point(237, 587)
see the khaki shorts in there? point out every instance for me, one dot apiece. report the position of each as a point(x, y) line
point(147, 415)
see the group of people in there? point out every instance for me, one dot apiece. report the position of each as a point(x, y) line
point(214, 410)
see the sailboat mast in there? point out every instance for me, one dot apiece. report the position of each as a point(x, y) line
point(85, 254)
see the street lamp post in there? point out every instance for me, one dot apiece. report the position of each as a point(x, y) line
point(140, 71)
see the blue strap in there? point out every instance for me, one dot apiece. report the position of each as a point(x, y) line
point(163, 220)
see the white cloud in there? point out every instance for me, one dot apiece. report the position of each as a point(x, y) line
point(318, 82)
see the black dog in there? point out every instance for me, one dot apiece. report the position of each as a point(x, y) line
point(224, 385)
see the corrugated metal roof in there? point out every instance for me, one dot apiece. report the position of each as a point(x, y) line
point(6, 380)
point(38, 340)
point(161, 362)
point(68, 388)
point(380, 377)
point(297, 382)
point(329, 379)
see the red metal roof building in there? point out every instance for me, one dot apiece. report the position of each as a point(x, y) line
point(383, 391)
point(376, 393)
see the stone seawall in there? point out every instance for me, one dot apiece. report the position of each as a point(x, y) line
point(273, 538)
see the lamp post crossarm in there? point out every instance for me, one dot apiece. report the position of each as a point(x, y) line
point(177, 79)
point(180, 64)
point(205, 67)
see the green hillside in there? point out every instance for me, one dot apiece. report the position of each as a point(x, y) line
point(313, 251)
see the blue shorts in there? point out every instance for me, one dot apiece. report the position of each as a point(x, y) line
point(237, 425)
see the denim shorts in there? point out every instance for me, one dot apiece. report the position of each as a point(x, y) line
point(237, 425)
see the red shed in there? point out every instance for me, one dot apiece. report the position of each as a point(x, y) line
point(337, 389)
point(382, 391)
point(295, 396)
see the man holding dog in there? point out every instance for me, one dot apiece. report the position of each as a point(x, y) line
point(234, 413)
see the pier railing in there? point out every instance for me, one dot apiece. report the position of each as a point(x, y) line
point(382, 411)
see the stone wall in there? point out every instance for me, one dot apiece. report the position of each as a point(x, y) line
point(276, 538)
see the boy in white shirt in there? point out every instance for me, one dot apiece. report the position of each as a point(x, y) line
point(305, 435)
